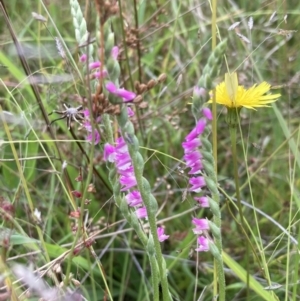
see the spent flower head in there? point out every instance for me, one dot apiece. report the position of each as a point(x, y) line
point(231, 95)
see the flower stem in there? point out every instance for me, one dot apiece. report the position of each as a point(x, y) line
point(216, 249)
point(232, 120)
point(232, 131)
point(152, 223)
point(219, 260)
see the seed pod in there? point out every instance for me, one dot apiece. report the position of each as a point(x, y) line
point(137, 86)
point(138, 99)
point(162, 78)
point(151, 83)
point(142, 88)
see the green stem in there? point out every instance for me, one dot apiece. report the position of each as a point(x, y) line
point(219, 260)
point(125, 266)
point(108, 129)
point(152, 223)
point(154, 278)
point(232, 131)
point(212, 185)
point(233, 116)
point(214, 103)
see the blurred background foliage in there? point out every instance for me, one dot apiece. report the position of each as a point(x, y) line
point(173, 37)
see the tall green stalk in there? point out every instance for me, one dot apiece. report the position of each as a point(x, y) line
point(232, 119)
point(217, 219)
point(201, 96)
point(215, 226)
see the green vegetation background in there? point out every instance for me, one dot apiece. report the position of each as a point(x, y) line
point(175, 39)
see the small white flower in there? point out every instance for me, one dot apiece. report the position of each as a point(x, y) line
point(38, 17)
point(243, 38)
point(162, 91)
point(179, 79)
point(250, 23)
point(64, 165)
point(37, 215)
point(60, 48)
point(273, 16)
point(234, 25)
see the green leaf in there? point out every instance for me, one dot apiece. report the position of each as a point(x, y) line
point(242, 275)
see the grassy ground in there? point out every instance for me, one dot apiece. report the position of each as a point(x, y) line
point(174, 38)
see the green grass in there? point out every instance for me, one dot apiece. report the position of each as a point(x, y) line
point(175, 39)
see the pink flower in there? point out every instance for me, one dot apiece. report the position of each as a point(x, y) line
point(88, 126)
point(197, 183)
point(203, 201)
point(121, 157)
point(201, 224)
point(121, 146)
point(196, 168)
point(197, 130)
point(95, 139)
point(130, 112)
point(120, 92)
point(200, 126)
point(192, 157)
point(191, 145)
point(89, 137)
point(100, 74)
point(109, 153)
point(203, 244)
point(115, 52)
point(207, 113)
point(126, 172)
point(199, 91)
point(123, 161)
point(83, 58)
point(94, 65)
point(128, 181)
point(134, 198)
point(161, 234)
point(86, 113)
point(141, 212)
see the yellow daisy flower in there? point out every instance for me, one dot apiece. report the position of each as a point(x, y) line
point(231, 95)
